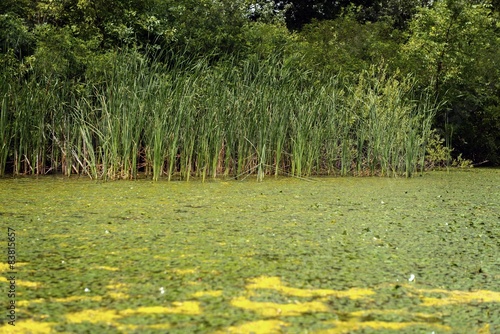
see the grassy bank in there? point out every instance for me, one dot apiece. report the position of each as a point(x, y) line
point(265, 117)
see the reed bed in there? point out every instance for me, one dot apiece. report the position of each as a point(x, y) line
point(230, 119)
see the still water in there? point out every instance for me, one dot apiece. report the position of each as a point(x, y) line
point(325, 255)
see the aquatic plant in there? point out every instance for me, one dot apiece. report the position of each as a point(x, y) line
point(335, 255)
point(261, 117)
point(5, 125)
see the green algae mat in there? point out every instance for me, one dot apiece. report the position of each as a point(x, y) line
point(329, 255)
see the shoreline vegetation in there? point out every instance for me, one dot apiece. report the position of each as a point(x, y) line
point(233, 89)
point(263, 117)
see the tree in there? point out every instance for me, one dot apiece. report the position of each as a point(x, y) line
point(348, 46)
point(298, 13)
point(453, 46)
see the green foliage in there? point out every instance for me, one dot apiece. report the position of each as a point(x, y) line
point(16, 42)
point(59, 53)
point(346, 45)
point(438, 154)
point(461, 162)
point(14, 34)
point(199, 28)
point(454, 46)
point(299, 13)
point(445, 41)
point(266, 40)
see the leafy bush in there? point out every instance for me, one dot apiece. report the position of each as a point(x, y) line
point(440, 155)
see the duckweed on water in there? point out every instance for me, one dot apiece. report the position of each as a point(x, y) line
point(337, 255)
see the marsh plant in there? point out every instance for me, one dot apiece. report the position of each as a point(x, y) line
point(133, 116)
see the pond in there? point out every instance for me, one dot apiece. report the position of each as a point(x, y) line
point(325, 255)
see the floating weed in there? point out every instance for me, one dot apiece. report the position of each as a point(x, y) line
point(268, 309)
point(432, 317)
point(183, 271)
point(101, 317)
point(5, 267)
point(297, 272)
point(257, 327)
point(356, 324)
point(210, 293)
point(117, 286)
point(114, 316)
point(161, 327)
point(275, 283)
point(118, 295)
point(485, 329)
point(94, 316)
point(106, 268)
point(26, 303)
point(60, 300)
point(22, 283)
point(192, 283)
point(28, 326)
point(458, 297)
point(187, 307)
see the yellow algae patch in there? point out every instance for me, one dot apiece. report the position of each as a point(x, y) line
point(460, 297)
point(484, 330)
point(187, 307)
point(211, 293)
point(184, 271)
point(274, 283)
point(106, 268)
point(22, 283)
point(354, 325)
point(265, 282)
point(257, 327)
point(94, 316)
point(77, 298)
point(117, 286)
point(269, 309)
point(5, 267)
point(25, 303)
point(28, 326)
point(456, 296)
point(28, 284)
point(118, 295)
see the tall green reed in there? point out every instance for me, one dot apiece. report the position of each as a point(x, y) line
point(231, 118)
point(5, 125)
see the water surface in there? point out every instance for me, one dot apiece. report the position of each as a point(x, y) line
point(334, 255)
